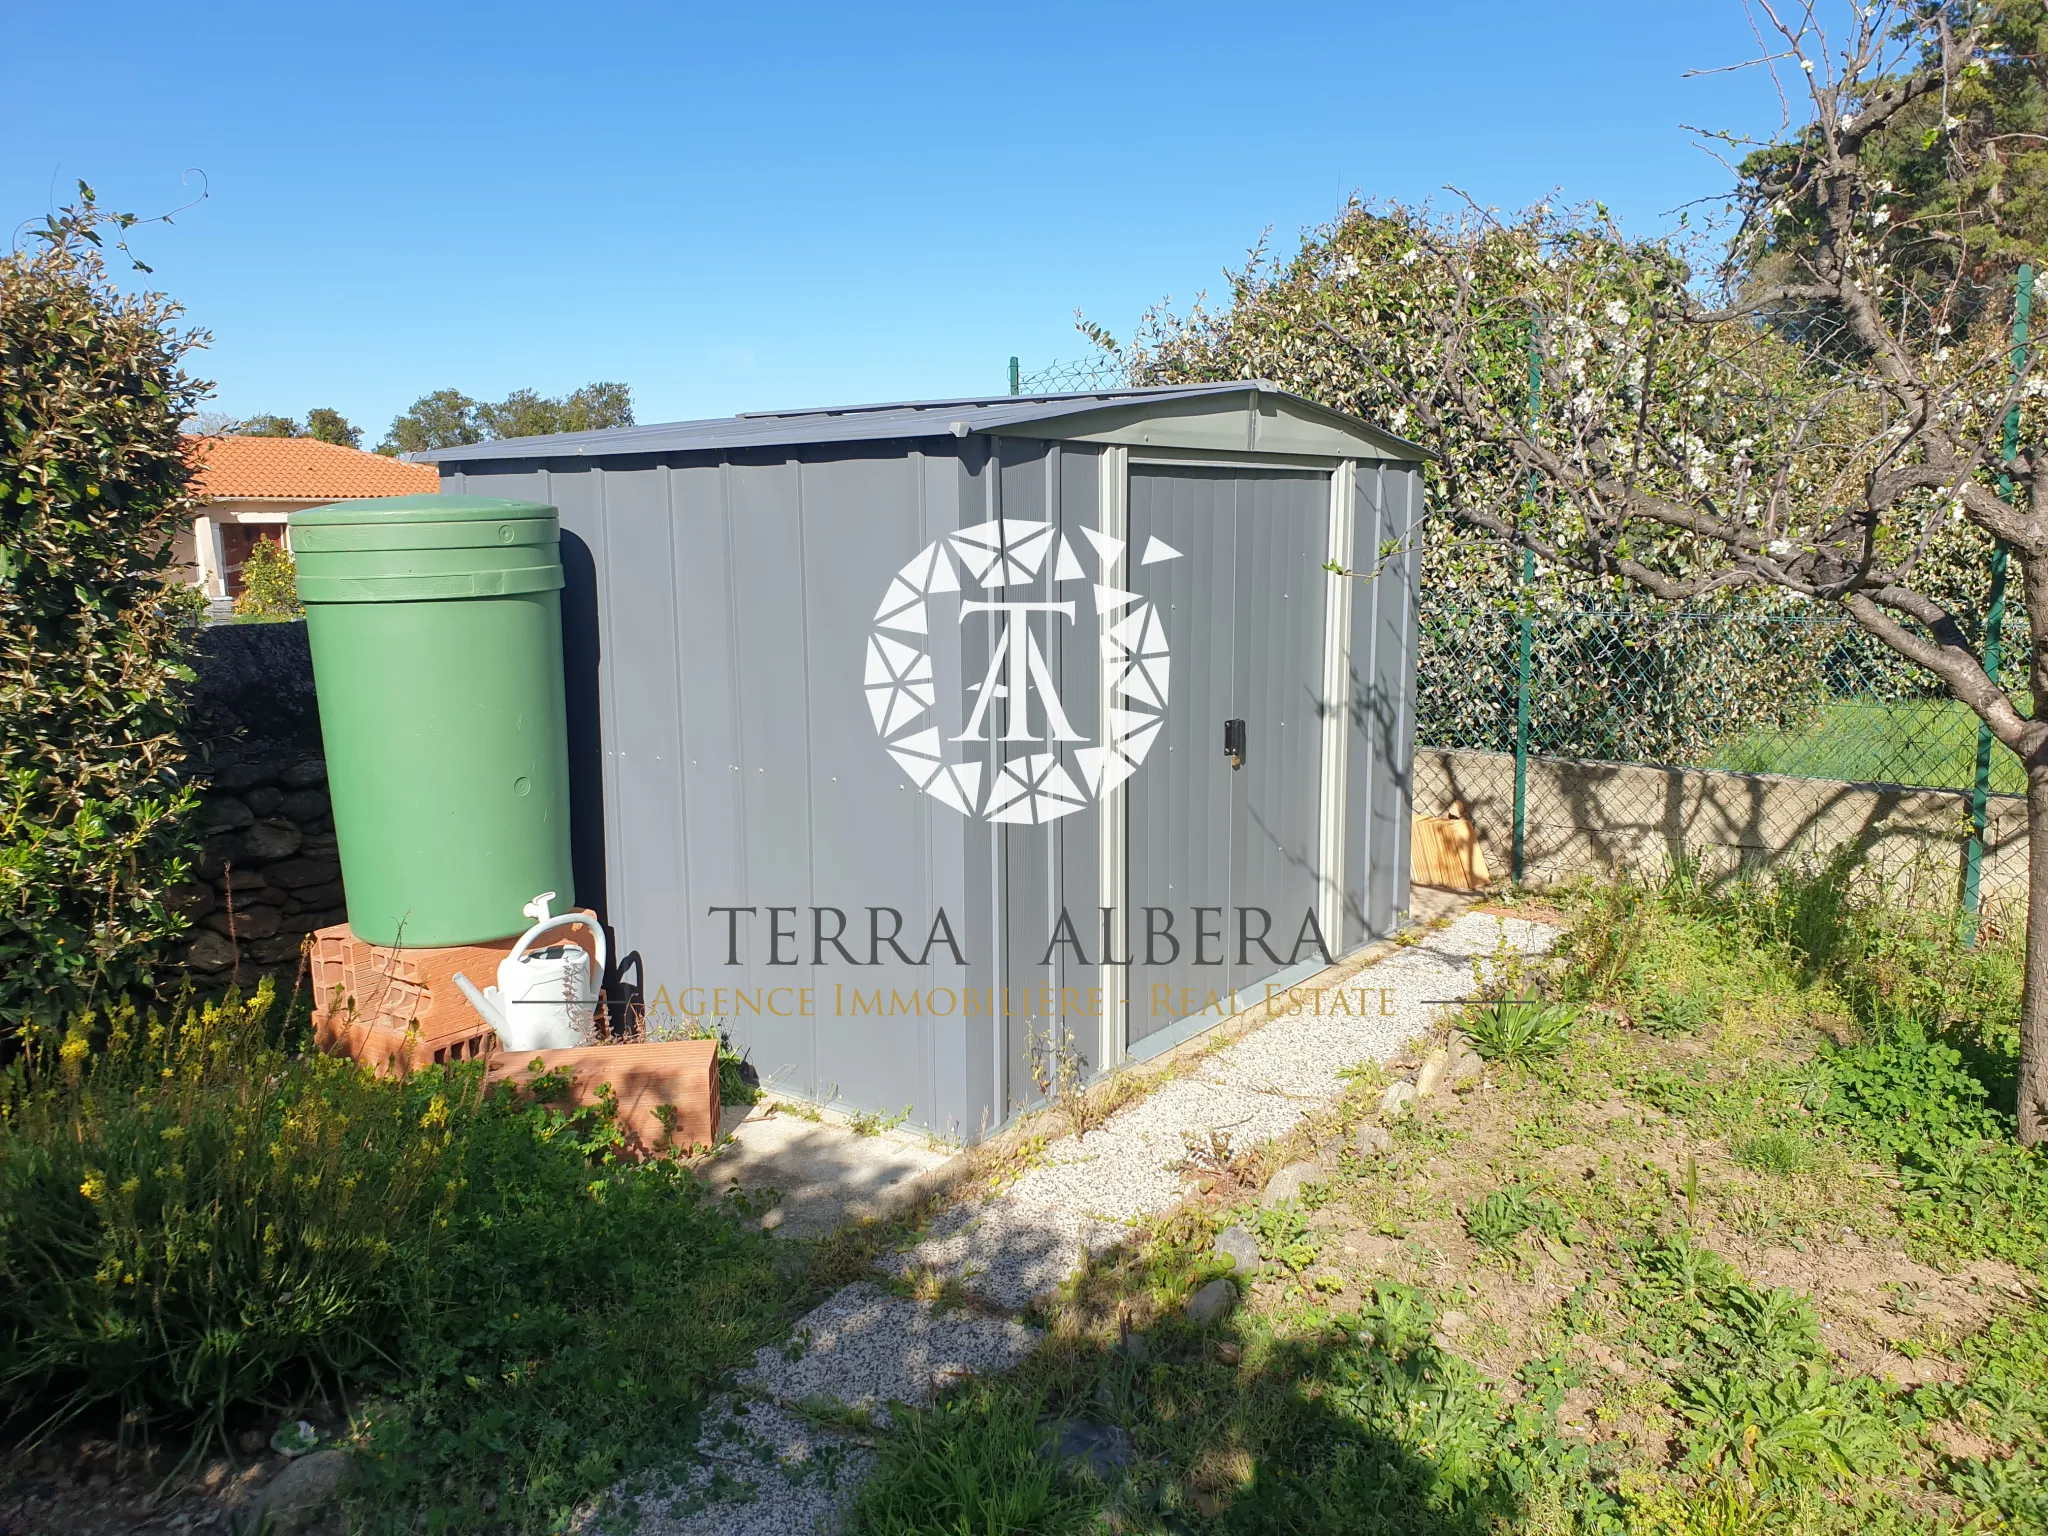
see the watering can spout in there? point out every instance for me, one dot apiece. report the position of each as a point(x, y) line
point(488, 1003)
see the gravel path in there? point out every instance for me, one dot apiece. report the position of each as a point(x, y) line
point(864, 1348)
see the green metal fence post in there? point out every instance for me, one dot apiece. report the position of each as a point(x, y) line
point(1994, 617)
point(1014, 380)
point(1526, 636)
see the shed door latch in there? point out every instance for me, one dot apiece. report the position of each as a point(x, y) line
point(1233, 742)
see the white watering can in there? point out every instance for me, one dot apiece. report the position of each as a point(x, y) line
point(546, 998)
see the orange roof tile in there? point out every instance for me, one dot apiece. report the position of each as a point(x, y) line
point(298, 469)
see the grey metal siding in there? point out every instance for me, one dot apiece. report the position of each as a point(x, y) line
point(716, 621)
point(1382, 708)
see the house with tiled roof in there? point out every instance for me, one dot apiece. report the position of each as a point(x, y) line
point(247, 486)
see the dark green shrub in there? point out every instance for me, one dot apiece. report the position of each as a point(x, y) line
point(92, 483)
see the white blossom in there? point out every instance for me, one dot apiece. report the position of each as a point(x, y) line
point(1617, 312)
point(1779, 548)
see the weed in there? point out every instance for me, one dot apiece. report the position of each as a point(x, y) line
point(1670, 1014)
point(1283, 1235)
point(1061, 1076)
point(974, 1464)
point(1206, 1155)
point(1608, 939)
point(1500, 1218)
point(873, 1123)
point(1515, 1031)
point(1505, 972)
point(1778, 1152)
point(1504, 1215)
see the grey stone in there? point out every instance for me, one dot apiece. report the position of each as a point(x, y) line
point(251, 922)
point(305, 774)
point(322, 844)
point(1372, 1141)
point(271, 840)
point(297, 874)
point(276, 951)
point(210, 951)
point(303, 1493)
point(231, 777)
point(1397, 1098)
point(193, 899)
point(305, 804)
point(1102, 1450)
point(255, 686)
point(1238, 1245)
point(216, 854)
point(263, 895)
point(266, 800)
point(1212, 1302)
point(241, 878)
point(328, 895)
point(224, 813)
point(1467, 1070)
point(1287, 1184)
point(1436, 1067)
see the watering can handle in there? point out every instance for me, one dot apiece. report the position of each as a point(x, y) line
point(564, 920)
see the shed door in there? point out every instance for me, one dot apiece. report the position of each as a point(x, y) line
point(1230, 853)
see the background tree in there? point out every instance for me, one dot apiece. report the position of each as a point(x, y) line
point(448, 418)
point(445, 419)
point(269, 426)
point(324, 424)
point(1807, 409)
point(92, 639)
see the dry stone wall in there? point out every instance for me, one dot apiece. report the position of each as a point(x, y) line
point(267, 873)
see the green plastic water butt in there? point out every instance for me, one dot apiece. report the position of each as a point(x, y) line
point(436, 628)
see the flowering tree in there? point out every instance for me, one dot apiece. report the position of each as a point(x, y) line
point(1811, 409)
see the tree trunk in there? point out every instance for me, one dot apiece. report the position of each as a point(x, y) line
point(2033, 1105)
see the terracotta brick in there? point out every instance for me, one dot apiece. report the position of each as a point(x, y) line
point(395, 1009)
point(680, 1073)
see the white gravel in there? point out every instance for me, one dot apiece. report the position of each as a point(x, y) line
point(758, 1471)
point(1026, 1240)
point(864, 1348)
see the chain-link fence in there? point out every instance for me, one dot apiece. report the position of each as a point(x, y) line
point(1582, 738)
point(1102, 371)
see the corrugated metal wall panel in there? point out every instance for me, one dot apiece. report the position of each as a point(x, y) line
point(1179, 800)
point(1282, 542)
point(716, 617)
point(869, 826)
point(1382, 707)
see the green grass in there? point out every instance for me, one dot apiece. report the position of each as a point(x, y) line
point(1598, 1297)
point(203, 1229)
point(1925, 742)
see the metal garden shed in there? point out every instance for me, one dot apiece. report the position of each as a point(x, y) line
point(914, 744)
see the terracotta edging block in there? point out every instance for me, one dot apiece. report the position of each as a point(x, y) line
point(682, 1074)
point(394, 1009)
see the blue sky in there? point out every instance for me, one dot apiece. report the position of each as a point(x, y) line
point(760, 207)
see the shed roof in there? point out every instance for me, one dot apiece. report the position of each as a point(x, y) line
point(1242, 416)
point(297, 469)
